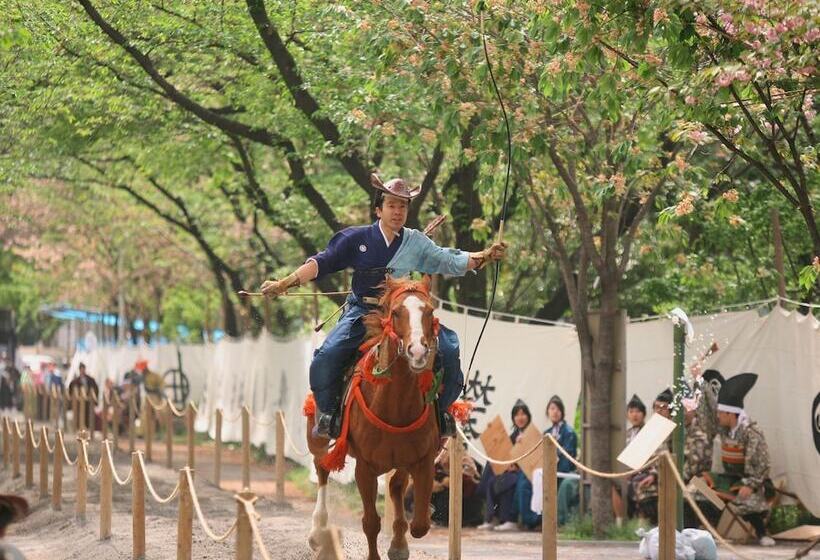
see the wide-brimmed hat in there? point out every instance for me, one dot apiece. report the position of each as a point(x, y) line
point(397, 187)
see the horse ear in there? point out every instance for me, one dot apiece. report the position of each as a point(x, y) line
point(427, 281)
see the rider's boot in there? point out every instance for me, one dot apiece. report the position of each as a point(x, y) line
point(328, 425)
point(446, 422)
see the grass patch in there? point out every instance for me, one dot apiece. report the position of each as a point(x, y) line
point(580, 529)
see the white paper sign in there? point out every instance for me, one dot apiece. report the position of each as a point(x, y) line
point(648, 440)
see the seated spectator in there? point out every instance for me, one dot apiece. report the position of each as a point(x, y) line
point(440, 500)
point(499, 491)
point(568, 440)
point(645, 483)
point(12, 510)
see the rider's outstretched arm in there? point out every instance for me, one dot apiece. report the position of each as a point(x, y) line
point(299, 277)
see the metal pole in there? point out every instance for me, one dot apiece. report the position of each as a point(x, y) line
point(678, 379)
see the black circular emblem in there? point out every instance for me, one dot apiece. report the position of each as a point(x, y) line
point(815, 421)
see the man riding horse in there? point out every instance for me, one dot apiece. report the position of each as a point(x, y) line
point(383, 248)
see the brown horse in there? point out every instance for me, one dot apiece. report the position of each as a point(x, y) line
point(388, 424)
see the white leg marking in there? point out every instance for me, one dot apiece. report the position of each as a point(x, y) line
point(319, 520)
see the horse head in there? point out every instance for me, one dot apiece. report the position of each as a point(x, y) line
point(406, 316)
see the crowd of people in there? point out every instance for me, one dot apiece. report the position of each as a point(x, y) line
point(502, 500)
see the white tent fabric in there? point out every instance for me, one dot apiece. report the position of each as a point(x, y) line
point(531, 362)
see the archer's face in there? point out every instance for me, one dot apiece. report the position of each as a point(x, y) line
point(393, 212)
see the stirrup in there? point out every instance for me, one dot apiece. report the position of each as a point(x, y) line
point(446, 424)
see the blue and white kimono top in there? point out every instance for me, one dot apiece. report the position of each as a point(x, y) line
point(366, 251)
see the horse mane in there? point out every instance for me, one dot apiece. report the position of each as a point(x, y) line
point(373, 320)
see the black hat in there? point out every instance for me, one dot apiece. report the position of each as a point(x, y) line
point(665, 396)
point(521, 405)
point(556, 400)
point(713, 379)
point(733, 391)
point(636, 402)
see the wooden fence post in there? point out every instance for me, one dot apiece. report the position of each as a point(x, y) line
point(169, 436)
point(244, 533)
point(456, 454)
point(116, 420)
point(549, 487)
point(389, 513)
point(64, 407)
point(148, 429)
point(104, 418)
point(218, 448)
point(57, 475)
point(189, 426)
point(44, 463)
point(83, 398)
point(54, 409)
point(185, 519)
point(246, 448)
point(82, 479)
point(15, 451)
point(667, 508)
point(106, 491)
point(29, 435)
point(137, 508)
point(6, 443)
point(280, 457)
point(132, 418)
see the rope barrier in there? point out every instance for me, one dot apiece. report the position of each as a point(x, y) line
point(232, 419)
point(92, 471)
point(174, 410)
point(31, 436)
point(157, 408)
point(601, 474)
point(202, 521)
point(20, 434)
point(150, 486)
point(289, 439)
point(49, 448)
point(65, 451)
point(496, 461)
point(250, 510)
point(262, 423)
point(120, 481)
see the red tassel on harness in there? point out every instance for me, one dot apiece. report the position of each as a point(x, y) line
point(309, 406)
point(425, 381)
point(335, 460)
point(461, 411)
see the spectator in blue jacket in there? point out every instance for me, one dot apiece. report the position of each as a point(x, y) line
point(567, 439)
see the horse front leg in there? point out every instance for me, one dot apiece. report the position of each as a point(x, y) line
point(398, 545)
point(318, 448)
point(422, 474)
point(367, 482)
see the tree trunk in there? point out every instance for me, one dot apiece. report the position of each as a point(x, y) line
point(466, 207)
point(599, 385)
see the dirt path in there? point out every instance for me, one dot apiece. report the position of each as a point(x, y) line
point(50, 535)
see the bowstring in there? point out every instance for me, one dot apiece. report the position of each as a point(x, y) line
point(504, 203)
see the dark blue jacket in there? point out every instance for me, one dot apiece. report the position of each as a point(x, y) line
point(568, 439)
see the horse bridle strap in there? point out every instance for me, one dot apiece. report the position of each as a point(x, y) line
point(384, 426)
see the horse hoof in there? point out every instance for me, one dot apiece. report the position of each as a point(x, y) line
point(314, 541)
point(397, 554)
point(418, 531)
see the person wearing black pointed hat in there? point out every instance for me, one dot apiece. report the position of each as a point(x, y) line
point(709, 385)
point(499, 490)
point(383, 248)
point(644, 485)
point(744, 454)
